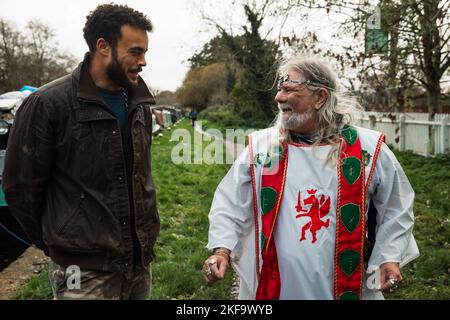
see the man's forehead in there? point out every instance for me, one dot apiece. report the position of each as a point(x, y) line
point(285, 77)
point(132, 35)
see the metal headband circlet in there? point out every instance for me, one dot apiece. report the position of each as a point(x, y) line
point(284, 77)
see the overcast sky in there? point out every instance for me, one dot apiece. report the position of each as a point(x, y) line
point(178, 31)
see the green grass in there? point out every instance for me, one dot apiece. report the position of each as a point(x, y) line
point(184, 195)
point(428, 277)
point(239, 136)
point(37, 288)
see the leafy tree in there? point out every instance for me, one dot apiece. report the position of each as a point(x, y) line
point(216, 51)
point(213, 51)
point(203, 86)
point(257, 58)
point(166, 97)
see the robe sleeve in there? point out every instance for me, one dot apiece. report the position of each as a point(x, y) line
point(393, 198)
point(231, 214)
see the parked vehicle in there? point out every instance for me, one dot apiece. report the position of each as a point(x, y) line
point(9, 104)
point(158, 117)
point(167, 119)
point(13, 241)
point(155, 126)
point(166, 116)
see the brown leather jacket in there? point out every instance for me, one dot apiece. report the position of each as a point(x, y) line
point(69, 172)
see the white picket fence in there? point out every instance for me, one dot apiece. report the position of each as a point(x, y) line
point(410, 131)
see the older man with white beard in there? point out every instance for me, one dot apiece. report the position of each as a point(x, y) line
point(291, 214)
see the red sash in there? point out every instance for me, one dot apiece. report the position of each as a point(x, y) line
point(350, 220)
point(272, 187)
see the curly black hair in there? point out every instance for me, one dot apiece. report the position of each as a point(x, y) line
point(107, 20)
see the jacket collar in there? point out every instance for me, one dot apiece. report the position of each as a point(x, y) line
point(88, 90)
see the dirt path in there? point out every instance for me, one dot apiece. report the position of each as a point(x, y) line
point(231, 147)
point(30, 263)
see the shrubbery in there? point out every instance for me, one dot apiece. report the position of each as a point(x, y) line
point(224, 117)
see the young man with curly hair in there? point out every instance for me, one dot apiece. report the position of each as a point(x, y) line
point(78, 173)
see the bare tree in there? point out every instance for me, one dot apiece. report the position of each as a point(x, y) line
point(32, 58)
point(418, 44)
point(46, 61)
point(11, 55)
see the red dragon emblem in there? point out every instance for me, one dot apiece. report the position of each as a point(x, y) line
point(318, 210)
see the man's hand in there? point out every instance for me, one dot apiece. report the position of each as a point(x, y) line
point(390, 275)
point(215, 267)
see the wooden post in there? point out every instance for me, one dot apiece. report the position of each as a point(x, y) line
point(444, 135)
point(402, 133)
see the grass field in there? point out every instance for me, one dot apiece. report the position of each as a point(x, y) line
point(428, 277)
point(184, 197)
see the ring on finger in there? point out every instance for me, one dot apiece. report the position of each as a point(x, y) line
point(393, 284)
point(212, 261)
point(393, 281)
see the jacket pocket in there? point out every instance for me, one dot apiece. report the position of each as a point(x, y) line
point(71, 216)
point(90, 227)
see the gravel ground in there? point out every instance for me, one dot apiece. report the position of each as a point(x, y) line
point(30, 263)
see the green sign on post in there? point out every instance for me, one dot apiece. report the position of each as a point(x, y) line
point(376, 41)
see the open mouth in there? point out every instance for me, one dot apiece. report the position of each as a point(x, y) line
point(134, 74)
point(285, 108)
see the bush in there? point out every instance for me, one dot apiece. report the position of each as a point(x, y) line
point(223, 116)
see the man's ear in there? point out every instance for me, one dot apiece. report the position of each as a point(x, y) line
point(321, 98)
point(103, 47)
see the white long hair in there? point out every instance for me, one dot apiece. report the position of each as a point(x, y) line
point(339, 109)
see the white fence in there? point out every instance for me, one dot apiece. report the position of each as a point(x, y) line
point(410, 131)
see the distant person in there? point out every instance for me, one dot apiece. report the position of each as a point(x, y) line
point(291, 214)
point(77, 172)
point(193, 116)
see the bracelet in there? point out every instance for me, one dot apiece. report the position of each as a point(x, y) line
point(224, 252)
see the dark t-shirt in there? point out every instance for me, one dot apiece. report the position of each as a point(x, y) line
point(116, 102)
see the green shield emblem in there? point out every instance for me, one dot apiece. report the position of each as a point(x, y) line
point(349, 261)
point(349, 295)
point(351, 168)
point(268, 199)
point(350, 134)
point(350, 216)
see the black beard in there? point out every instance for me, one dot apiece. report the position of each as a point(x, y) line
point(116, 73)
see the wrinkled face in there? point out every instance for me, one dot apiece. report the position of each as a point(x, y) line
point(128, 57)
point(297, 104)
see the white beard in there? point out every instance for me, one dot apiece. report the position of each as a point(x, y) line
point(295, 120)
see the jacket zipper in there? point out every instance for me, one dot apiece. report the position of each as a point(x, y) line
point(125, 176)
point(131, 201)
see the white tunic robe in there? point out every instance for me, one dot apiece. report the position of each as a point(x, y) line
point(307, 268)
